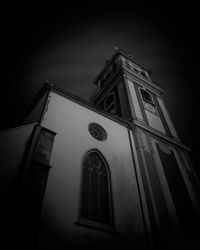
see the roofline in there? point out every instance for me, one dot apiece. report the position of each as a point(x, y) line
point(126, 123)
point(79, 100)
point(49, 86)
point(32, 103)
point(18, 127)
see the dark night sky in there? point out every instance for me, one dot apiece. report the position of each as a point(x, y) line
point(69, 44)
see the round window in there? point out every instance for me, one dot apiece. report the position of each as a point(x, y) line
point(97, 131)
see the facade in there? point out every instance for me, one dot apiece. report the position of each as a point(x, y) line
point(110, 174)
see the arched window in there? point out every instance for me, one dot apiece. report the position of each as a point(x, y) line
point(95, 189)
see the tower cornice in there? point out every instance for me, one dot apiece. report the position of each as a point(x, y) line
point(112, 58)
point(121, 65)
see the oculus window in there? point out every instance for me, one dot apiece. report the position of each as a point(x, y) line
point(97, 131)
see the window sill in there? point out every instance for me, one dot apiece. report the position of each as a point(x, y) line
point(96, 225)
point(153, 112)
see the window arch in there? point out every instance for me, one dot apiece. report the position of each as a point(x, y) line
point(95, 189)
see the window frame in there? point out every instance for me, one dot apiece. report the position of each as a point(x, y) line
point(112, 105)
point(144, 99)
point(148, 102)
point(110, 227)
point(106, 108)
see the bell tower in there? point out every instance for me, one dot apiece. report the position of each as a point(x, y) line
point(167, 181)
point(125, 89)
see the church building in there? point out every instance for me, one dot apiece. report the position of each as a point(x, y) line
point(109, 174)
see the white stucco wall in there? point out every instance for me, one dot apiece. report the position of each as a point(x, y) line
point(61, 203)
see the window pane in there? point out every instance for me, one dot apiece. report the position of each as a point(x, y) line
point(95, 200)
point(146, 96)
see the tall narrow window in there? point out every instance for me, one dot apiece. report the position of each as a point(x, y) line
point(96, 190)
point(148, 101)
point(110, 104)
